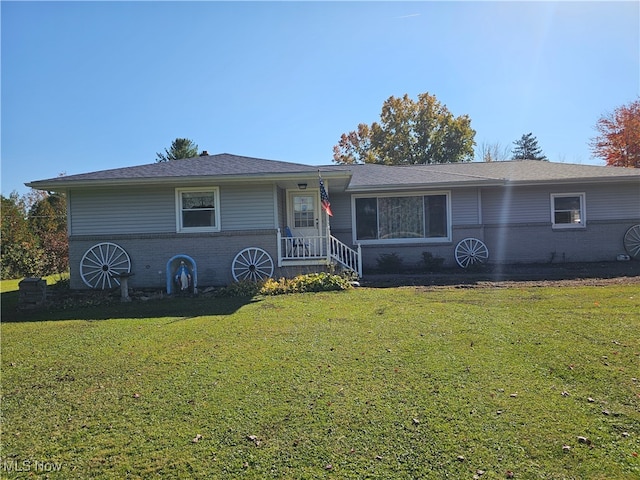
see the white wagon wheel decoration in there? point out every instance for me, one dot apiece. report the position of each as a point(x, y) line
point(101, 264)
point(632, 241)
point(253, 264)
point(471, 251)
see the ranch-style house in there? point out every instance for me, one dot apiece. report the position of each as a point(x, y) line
point(214, 219)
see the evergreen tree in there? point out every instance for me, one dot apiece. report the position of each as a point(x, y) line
point(180, 148)
point(527, 148)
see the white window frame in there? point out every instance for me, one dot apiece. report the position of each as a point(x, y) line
point(216, 198)
point(418, 240)
point(583, 211)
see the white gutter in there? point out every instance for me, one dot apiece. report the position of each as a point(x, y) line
point(492, 183)
point(62, 184)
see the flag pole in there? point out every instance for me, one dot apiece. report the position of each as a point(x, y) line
point(326, 206)
point(324, 196)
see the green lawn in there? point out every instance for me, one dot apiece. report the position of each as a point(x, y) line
point(369, 383)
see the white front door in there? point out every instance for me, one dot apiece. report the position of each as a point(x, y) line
point(304, 216)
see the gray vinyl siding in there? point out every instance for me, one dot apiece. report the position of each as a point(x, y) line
point(341, 209)
point(341, 221)
point(517, 205)
point(464, 207)
point(533, 204)
point(282, 207)
point(122, 211)
point(613, 202)
point(153, 210)
point(247, 207)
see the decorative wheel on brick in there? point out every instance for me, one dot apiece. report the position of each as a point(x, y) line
point(101, 265)
point(632, 241)
point(471, 251)
point(252, 264)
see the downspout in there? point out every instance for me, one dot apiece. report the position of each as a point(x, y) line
point(276, 205)
point(279, 237)
point(480, 206)
point(68, 201)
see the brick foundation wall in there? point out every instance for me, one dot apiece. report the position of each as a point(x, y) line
point(149, 254)
point(519, 243)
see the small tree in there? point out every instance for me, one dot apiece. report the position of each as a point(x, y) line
point(180, 148)
point(20, 249)
point(48, 221)
point(527, 149)
point(618, 142)
point(493, 152)
point(34, 234)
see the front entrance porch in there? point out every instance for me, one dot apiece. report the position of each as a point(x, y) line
point(317, 250)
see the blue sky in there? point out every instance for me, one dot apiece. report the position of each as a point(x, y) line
point(94, 85)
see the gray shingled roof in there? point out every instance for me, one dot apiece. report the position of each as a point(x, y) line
point(205, 166)
point(363, 177)
point(481, 173)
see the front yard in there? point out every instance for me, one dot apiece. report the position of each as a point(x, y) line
point(524, 382)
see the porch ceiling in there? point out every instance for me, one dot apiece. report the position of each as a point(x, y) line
point(331, 182)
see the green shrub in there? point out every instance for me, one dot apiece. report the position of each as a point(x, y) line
point(319, 282)
point(311, 282)
point(61, 282)
point(389, 263)
point(431, 263)
point(275, 287)
point(244, 288)
point(21, 260)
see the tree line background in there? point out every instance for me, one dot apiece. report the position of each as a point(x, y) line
point(34, 235)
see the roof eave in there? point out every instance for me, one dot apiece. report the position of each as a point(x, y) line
point(491, 183)
point(423, 186)
point(62, 185)
point(578, 180)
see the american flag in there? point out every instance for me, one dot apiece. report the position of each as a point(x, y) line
point(324, 198)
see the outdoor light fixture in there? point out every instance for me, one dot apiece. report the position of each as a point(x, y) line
point(302, 186)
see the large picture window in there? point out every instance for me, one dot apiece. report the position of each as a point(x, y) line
point(567, 210)
point(197, 210)
point(407, 218)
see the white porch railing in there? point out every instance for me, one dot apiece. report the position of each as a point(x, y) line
point(318, 250)
point(345, 255)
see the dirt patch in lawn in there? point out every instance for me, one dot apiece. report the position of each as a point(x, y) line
point(566, 274)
